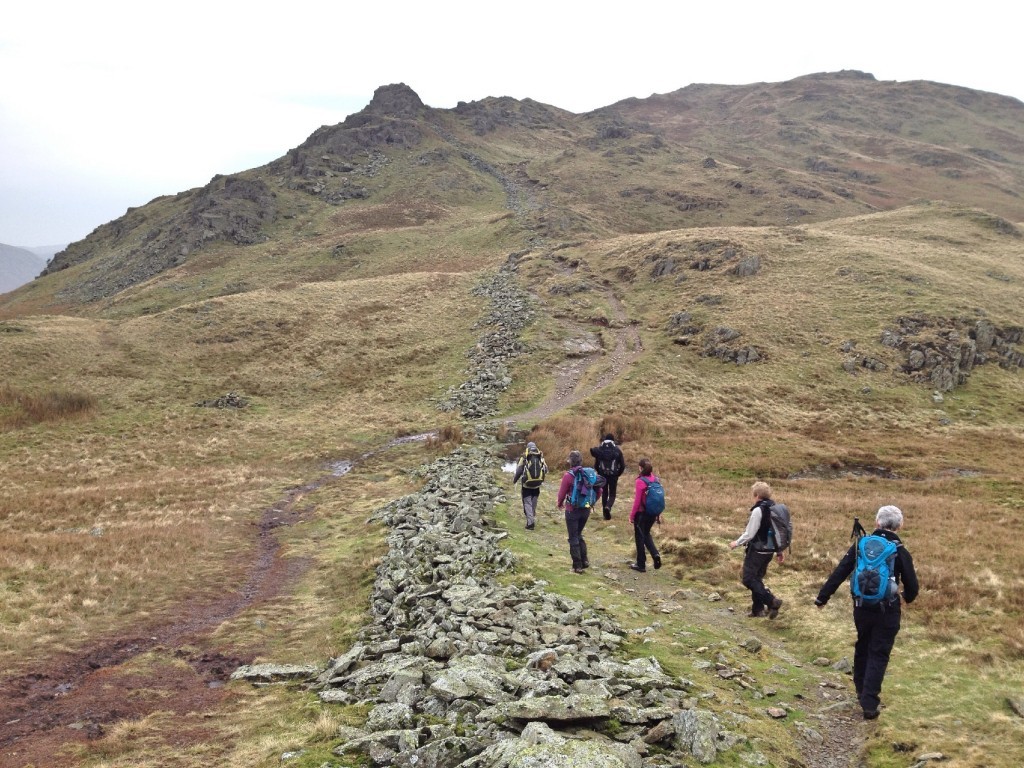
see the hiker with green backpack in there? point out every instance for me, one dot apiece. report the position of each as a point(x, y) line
point(531, 469)
point(648, 504)
point(877, 565)
point(577, 495)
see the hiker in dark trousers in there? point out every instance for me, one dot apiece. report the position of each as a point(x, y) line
point(759, 553)
point(643, 522)
point(609, 463)
point(575, 518)
point(878, 624)
point(531, 485)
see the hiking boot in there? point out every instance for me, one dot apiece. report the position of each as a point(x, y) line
point(607, 514)
point(586, 564)
point(637, 568)
point(759, 614)
point(577, 570)
point(871, 714)
point(657, 562)
point(530, 526)
point(773, 609)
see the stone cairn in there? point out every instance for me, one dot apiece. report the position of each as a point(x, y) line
point(489, 374)
point(463, 670)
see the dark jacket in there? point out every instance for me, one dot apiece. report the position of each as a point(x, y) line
point(608, 459)
point(903, 570)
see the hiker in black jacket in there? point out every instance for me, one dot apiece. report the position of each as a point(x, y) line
point(609, 463)
point(878, 624)
point(759, 553)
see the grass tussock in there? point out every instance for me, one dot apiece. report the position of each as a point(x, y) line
point(27, 408)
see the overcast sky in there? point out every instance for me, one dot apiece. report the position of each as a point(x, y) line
point(107, 104)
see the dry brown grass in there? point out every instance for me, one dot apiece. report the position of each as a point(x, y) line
point(35, 407)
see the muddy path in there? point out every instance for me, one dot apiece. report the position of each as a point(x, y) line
point(76, 697)
point(571, 385)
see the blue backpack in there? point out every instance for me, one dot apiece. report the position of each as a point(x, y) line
point(654, 497)
point(874, 581)
point(584, 492)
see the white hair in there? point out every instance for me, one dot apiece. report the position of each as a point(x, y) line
point(889, 518)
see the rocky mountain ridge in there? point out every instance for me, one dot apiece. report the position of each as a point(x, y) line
point(817, 147)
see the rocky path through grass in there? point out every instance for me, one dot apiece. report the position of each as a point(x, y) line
point(571, 385)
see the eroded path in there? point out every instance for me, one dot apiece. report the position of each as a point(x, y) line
point(77, 696)
point(571, 386)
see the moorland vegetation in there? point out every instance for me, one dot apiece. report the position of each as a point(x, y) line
point(820, 285)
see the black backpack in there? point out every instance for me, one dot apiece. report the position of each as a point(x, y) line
point(780, 531)
point(534, 470)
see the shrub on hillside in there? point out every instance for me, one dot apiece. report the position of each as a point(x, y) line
point(52, 405)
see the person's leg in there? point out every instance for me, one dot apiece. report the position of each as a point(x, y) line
point(530, 508)
point(648, 525)
point(638, 539)
point(887, 626)
point(584, 560)
point(610, 486)
point(863, 620)
point(572, 526)
point(755, 566)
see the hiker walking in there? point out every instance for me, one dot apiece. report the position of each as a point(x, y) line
point(609, 463)
point(882, 562)
point(576, 495)
point(531, 469)
point(647, 509)
point(759, 554)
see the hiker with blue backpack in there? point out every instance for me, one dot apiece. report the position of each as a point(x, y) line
point(877, 565)
point(577, 495)
point(764, 540)
point(531, 469)
point(648, 504)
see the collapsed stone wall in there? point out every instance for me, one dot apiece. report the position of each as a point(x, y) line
point(489, 374)
point(460, 669)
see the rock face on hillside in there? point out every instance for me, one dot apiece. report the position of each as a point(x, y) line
point(231, 209)
point(941, 352)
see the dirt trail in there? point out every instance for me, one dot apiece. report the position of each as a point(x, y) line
point(77, 696)
point(836, 732)
point(569, 387)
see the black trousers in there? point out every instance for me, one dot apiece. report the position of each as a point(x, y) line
point(876, 635)
point(755, 567)
point(575, 522)
point(644, 540)
point(608, 492)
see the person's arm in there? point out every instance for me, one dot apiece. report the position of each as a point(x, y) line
point(564, 488)
point(908, 576)
point(751, 531)
point(638, 498)
point(839, 575)
point(520, 468)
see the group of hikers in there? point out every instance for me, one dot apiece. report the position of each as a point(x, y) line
point(878, 566)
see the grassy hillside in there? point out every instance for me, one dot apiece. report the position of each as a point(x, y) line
point(128, 512)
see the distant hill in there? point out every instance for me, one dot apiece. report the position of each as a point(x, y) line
point(816, 148)
point(18, 266)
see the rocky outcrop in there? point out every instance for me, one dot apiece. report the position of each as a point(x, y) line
point(230, 209)
point(942, 352)
point(489, 374)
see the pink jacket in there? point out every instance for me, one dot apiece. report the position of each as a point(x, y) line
point(638, 495)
